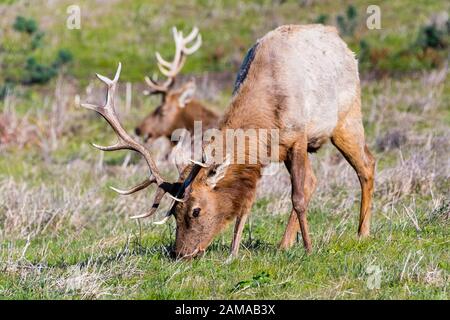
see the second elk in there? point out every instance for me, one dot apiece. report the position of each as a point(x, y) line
point(178, 109)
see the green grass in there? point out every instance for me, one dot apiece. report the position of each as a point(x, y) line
point(131, 31)
point(138, 267)
point(65, 235)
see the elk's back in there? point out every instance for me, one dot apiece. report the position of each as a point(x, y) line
point(300, 76)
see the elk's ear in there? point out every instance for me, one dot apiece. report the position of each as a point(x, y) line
point(187, 94)
point(217, 172)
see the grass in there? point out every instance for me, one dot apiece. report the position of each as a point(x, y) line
point(131, 31)
point(112, 263)
point(65, 235)
point(124, 265)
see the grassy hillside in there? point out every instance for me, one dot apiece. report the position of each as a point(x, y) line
point(131, 31)
point(65, 234)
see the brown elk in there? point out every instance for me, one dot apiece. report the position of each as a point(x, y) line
point(300, 80)
point(179, 109)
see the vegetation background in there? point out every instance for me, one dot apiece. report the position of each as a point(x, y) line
point(65, 234)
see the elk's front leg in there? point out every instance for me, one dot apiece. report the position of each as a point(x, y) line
point(237, 236)
point(299, 167)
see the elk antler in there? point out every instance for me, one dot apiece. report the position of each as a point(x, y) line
point(171, 69)
point(125, 142)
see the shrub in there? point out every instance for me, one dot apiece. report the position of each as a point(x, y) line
point(22, 66)
point(25, 25)
point(64, 56)
point(364, 52)
point(37, 73)
point(435, 34)
point(431, 37)
point(347, 24)
point(322, 18)
point(36, 41)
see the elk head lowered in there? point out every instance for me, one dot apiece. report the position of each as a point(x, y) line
point(219, 194)
point(178, 108)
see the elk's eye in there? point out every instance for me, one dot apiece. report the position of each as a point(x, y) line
point(196, 212)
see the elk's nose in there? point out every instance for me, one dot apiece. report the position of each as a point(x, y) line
point(137, 131)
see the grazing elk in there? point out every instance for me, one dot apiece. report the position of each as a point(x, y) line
point(300, 80)
point(178, 109)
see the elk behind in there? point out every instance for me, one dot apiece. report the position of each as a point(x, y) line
point(178, 109)
point(300, 80)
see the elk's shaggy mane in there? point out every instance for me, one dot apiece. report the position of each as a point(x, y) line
point(245, 66)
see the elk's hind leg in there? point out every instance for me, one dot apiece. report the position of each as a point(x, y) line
point(299, 163)
point(293, 226)
point(349, 140)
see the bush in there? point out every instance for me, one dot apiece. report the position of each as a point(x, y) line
point(22, 66)
point(25, 25)
point(364, 51)
point(64, 57)
point(322, 18)
point(347, 24)
point(435, 34)
point(37, 73)
point(431, 37)
point(36, 41)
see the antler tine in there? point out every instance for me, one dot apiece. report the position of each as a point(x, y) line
point(171, 69)
point(117, 146)
point(201, 164)
point(185, 41)
point(191, 36)
point(162, 61)
point(175, 66)
point(111, 86)
point(194, 47)
point(172, 73)
point(158, 197)
point(156, 88)
point(144, 184)
point(126, 142)
point(165, 219)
